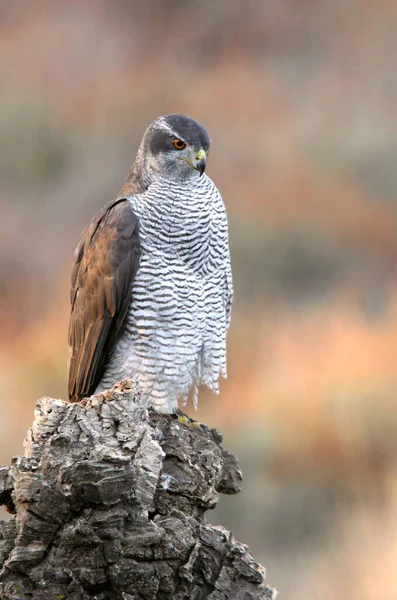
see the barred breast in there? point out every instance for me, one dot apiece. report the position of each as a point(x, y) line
point(175, 334)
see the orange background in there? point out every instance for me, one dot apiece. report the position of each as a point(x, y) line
point(300, 100)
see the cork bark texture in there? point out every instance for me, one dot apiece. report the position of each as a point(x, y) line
point(108, 503)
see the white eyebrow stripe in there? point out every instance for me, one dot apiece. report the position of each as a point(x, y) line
point(164, 125)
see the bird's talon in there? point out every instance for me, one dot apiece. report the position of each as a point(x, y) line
point(183, 419)
point(196, 425)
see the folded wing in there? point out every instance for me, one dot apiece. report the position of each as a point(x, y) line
point(105, 264)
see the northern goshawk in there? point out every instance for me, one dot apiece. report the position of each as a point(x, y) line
point(151, 282)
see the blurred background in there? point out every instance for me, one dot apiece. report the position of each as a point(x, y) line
point(300, 99)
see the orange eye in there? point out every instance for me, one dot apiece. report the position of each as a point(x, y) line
point(179, 144)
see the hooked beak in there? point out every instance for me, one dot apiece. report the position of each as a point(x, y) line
point(200, 161)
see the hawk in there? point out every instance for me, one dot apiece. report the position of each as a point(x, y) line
point(151, 285)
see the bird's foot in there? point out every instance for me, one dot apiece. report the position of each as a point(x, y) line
point(185, 420)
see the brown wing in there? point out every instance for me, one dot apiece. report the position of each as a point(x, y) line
point(105, 264)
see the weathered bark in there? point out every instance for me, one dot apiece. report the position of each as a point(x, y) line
point(109, 502)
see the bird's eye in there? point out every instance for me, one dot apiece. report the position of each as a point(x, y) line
point(179, 144)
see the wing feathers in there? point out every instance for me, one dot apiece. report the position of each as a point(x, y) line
point(105, 264)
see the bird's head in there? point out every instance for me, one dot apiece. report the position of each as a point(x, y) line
point(175, 147)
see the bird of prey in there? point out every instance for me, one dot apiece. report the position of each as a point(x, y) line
point(151, 285)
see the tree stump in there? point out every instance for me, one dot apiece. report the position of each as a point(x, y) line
point(109, 502)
